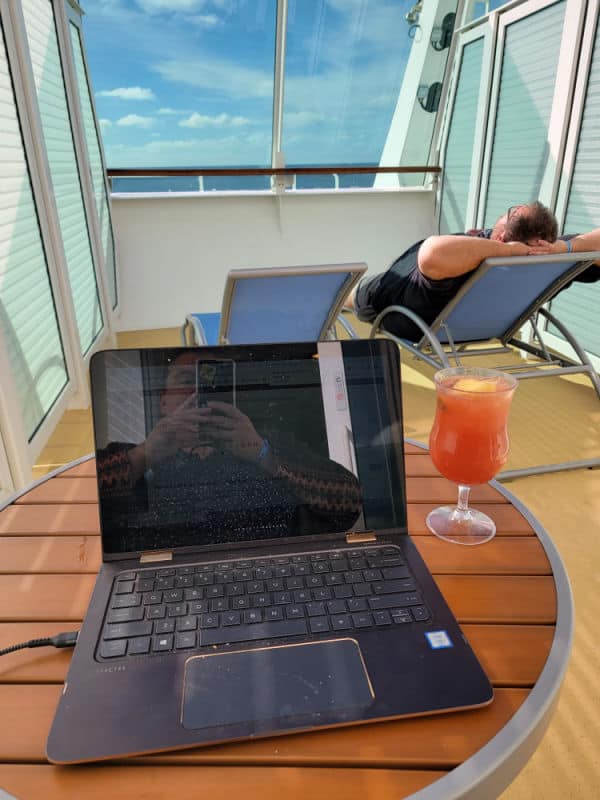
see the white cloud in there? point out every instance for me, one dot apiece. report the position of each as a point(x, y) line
point(298, 119)
point(128, 93)
point(161, 6)
point(104, 124)
point(218, 76)
point(135, 120)
point(230, 150)
point(207, 21)
point(220, 120)
point(168, 111)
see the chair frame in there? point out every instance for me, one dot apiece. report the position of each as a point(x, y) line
point(356, 271)
point(440, 354)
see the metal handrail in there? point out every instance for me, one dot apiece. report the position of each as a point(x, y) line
point(159, 172)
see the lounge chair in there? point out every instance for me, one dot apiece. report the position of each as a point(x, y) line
point(278, 304)
point(492, 307)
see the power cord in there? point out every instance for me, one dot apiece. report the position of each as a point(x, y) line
point(68, 639)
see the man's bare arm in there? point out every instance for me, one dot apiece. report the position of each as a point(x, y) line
point(582, 243)
point(448, 256)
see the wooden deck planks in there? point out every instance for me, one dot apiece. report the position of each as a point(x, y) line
point(218, 783)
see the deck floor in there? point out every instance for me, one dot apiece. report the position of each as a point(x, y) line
point(554, 419)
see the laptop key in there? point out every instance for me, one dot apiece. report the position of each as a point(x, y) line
point(125, 614)
point(138, 646)
point(113, 649)
point(156, 612)
point(341, 622)
point(319, 624)
point(186, 623)
point(394, 601)
point(146, 585)
point(124, 587)
point(248, 633)
point(401, 615)
point(357, 604)
point(343, 592)
point(164, 626)
point(177, 609)
point(185, 640)
point(152, 598)
point(364, 620)
point(382, 618)
point(126, 600)
point(198, 607)
point(162, 643)
point(391, 573)
point(420, 613)
point(390, 587)
point(124, 629)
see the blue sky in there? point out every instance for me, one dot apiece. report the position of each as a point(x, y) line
point(190, 82)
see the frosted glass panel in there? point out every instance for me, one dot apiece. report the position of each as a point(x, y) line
point(578, 306)
point(96, 165)
point(56, 127)
point(520, 153)
point(27, 314)
point(458, 159)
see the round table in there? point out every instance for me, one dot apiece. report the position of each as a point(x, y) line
point(511, 597)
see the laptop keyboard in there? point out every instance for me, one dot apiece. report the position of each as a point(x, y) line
point(185, 607)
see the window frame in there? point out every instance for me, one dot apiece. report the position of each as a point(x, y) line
point(466, 36)
point(68, 12)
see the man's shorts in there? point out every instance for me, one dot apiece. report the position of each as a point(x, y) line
point(365, 294)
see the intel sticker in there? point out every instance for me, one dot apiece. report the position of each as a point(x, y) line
point(438, 639)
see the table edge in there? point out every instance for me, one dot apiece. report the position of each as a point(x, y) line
point(12, 498)
point(492, 768)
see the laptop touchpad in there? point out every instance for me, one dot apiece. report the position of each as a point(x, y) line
point(274, 682)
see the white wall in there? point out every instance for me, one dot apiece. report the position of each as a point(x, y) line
point(174, 252)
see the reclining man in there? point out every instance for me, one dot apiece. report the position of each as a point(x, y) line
point(427, 275)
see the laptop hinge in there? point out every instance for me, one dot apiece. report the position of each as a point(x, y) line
point(360, 536)
point(161, 555)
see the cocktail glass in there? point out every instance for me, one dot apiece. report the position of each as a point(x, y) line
point(468, 445)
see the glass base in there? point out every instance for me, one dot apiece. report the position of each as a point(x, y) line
point(459, 526)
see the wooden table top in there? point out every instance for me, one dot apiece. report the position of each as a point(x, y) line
point(504, 595)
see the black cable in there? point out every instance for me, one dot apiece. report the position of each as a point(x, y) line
point(67, 639)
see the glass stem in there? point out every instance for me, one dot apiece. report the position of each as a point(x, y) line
point(463, 498)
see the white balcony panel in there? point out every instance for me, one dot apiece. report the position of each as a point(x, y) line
point(175, 251)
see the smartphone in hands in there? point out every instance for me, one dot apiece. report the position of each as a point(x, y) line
point(215, 380)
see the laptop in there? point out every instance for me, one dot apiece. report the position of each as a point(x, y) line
point(258, 577)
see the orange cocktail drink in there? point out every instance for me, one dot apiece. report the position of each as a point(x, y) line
point(469, 445)
point(469, 438)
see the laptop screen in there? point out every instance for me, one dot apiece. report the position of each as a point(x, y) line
point(232, 445)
